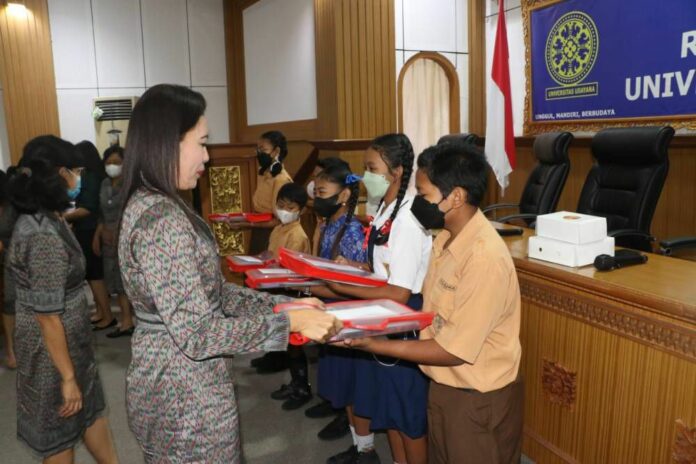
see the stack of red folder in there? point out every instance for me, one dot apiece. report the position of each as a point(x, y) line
point(276, 277)
point(367, 318)
point(243, 263)
point(240, 217)
point(324, 269)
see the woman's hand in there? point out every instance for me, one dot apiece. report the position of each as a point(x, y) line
point(343, 260)
point(313, 323)
point(72, 398)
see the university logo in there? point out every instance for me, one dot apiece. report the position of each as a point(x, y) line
point(571, 52)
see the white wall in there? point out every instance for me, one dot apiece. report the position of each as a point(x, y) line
point(120, 48)
point(279, 61)
point(439, 26)
point(515, 34)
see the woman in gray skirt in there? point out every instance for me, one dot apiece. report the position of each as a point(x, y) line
point(59, 395)
point(104, 242)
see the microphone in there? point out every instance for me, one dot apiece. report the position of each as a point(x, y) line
point(622, 258)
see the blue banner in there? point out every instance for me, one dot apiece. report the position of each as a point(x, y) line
point(613, 59)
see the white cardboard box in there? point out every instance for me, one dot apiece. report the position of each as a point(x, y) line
point(569, 254)
point(572, 227)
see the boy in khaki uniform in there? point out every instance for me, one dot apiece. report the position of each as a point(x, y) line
point(472, 350)
point(289, 234)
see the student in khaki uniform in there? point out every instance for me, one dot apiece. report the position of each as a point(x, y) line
point(472, 350)
point(271, 150)
point(289, 234)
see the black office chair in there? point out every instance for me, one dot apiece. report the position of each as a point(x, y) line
point(545, 182)
point(625, 183)
point(472, 139)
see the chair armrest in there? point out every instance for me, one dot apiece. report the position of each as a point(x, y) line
point(499, 206)
point(630, 233)
point(512, 217)
point(669, 245)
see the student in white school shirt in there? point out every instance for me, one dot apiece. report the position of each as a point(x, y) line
point(391, 394)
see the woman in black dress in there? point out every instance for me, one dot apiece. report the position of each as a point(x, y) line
point(84, 219)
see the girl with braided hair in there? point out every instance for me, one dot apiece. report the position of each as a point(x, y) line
point(393, 396)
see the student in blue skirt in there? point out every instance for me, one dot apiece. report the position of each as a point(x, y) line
point(394, 395)
point(336, 191)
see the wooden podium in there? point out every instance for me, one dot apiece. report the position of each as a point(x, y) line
point(609, 360)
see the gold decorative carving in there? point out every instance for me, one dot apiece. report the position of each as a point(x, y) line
point(587, 125)
point(669, 337)
point(558, 383)
point(684, 448)
point(226, 197)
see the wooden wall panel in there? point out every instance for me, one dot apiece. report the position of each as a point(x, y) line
point(675, 214)
point(26, 72)
point(363, 34)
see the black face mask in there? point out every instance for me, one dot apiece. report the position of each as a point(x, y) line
point(326, 207)
point(266, 161)
point(428, 214)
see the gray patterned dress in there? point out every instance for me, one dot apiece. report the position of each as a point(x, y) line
point(180, 396)
point(48, 269)
point(110, 217)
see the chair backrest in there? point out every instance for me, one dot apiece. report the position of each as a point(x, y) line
point(466, 138)
point(546, 181)
point(625, 183)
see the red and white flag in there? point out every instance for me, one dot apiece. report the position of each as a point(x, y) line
point(500, 138)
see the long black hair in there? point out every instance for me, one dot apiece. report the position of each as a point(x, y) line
point(160, 119)
point(92, 160)
point(36, 183)
point(337, 171)
point(396, 151)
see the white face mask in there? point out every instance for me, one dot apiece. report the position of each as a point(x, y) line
point(113, 170)
point(310, 189)
point(286, 217)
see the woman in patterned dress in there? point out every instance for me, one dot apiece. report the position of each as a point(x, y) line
point(59, 394)
point(104, 241)
point(180, 394)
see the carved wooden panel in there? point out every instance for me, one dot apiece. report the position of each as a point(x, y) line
point(226, 197)
point(559, 383)
point(684, 444)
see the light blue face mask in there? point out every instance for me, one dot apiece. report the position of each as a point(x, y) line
point(73, 193)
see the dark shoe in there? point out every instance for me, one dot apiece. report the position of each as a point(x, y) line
point(320, 411)
point(298, 398)
point(367, 457)
point(97, 328)
point(121, 333)
point(337, 428)
point(344, 457)
point(283, 393)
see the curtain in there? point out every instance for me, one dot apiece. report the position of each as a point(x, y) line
point(425, 103)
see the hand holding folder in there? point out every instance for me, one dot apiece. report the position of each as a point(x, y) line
point(309, 321)
point(368, 318)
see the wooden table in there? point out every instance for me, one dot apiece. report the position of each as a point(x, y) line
point(609, 360)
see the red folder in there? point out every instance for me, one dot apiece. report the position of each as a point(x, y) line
point(240, 217)
point(243, 263)
point(326, 269)
point(367, 318)
point(276, 277)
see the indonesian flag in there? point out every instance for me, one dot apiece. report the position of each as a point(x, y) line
point(500, 139)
